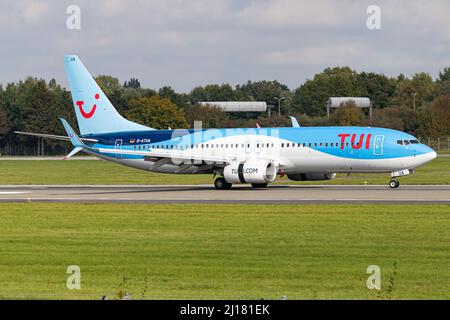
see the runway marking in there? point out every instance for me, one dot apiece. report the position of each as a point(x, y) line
point(13, 192)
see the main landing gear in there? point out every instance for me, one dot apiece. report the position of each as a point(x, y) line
point(221, 184)
point(394, 183)
point(259, 185)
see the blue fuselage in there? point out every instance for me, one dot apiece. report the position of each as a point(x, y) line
point(304, 149)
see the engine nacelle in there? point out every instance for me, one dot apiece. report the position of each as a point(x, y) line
point(315, 176)
point(251, 171)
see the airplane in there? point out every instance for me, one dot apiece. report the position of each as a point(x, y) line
point(238, 155)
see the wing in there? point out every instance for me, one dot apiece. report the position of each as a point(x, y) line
point(176, 156)
point(52, 136)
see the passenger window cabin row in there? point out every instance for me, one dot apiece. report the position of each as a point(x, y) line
point(243, 145)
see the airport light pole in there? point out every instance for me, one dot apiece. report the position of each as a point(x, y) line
point(279, 103)
point(414, 100)
point(269, 107)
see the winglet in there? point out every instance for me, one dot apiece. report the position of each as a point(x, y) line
point(76, 141)
point(294, 122)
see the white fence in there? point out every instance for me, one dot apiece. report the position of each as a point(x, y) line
point(438, 144)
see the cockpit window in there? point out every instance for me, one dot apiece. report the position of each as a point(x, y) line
point(406, 142)
point(400, 142)
point(414, 141)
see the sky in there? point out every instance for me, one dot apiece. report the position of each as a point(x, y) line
point(187, 43)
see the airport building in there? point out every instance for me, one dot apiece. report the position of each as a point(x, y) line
point(237, 106)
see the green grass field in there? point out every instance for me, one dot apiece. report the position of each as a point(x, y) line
point(100, 172)
point(224, 251)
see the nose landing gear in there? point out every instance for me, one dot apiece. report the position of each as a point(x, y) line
point(394, 183)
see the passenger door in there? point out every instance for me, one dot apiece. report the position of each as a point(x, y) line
point(378, 145)
point(118, 146)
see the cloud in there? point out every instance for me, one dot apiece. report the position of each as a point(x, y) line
point(185, 43)
point(420, 17)
point(315, 55)
point(113, 8)
point(34, 11)
point(295, 14)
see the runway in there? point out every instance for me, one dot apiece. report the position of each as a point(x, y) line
point(275, 194)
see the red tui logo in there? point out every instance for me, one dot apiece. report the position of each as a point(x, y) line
point(355, 145)
point(89, 114)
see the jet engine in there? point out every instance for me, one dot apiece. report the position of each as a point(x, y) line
point(257, 171)
point(311, 176)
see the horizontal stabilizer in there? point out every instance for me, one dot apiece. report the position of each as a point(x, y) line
point(52, 136)
point(73, 152)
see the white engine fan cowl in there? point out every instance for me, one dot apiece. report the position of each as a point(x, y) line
point(251, 171)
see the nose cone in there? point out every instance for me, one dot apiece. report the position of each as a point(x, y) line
point(429, 153)
point(432, 154)
point(425, 154)
point(426, 157)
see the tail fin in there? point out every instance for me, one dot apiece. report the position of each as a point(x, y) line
point(294, 122)
point(95, 113)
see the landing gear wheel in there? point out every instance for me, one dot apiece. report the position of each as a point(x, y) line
point(221, 184)
point(393, 184)
point(259, 185)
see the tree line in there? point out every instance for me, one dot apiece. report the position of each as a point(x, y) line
point(34, 105)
